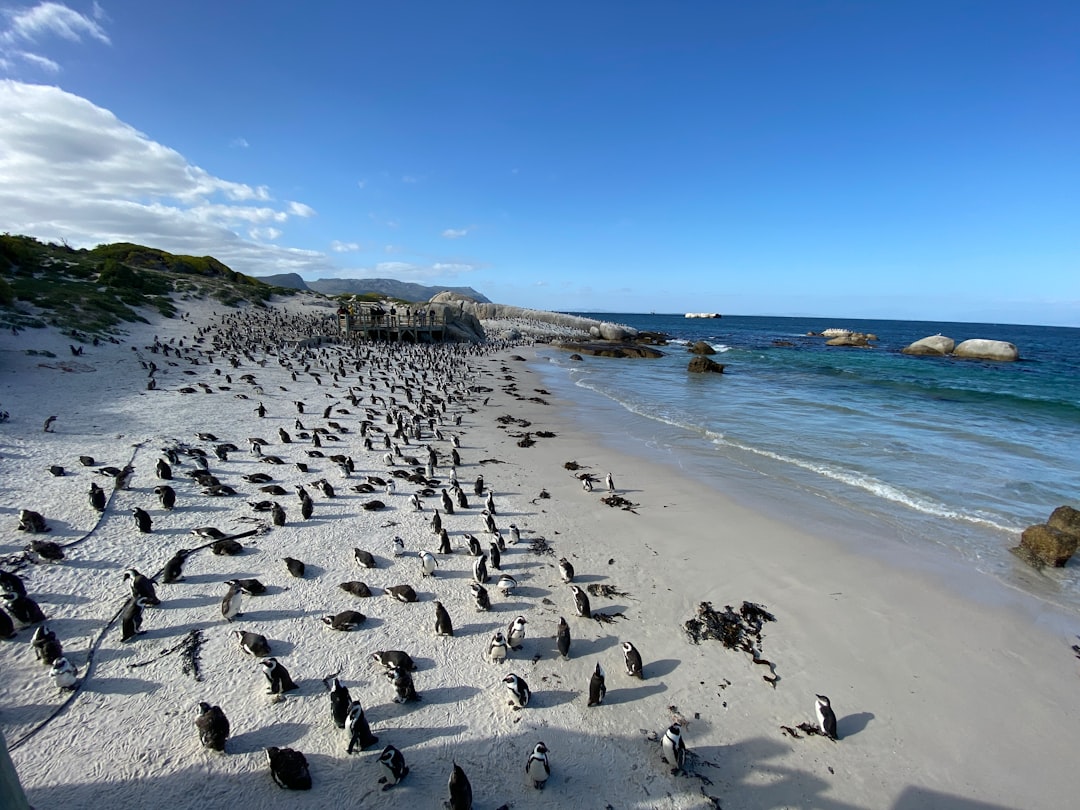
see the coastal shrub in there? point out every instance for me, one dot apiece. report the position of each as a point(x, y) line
point(7, 295)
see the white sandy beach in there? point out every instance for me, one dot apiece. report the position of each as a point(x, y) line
point(950, 692)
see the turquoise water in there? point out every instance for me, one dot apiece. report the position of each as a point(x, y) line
point(955, 454)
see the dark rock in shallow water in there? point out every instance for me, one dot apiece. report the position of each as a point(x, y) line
point(1044, 545)
point(701, 347)
point(576, 357)
point(700, 365)
point(610, 349)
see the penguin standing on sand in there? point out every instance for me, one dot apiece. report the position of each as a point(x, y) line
point(610, 483)
point(444, 542)
point(518, 689)
point(340, 703)
point(428, 564)
point(480, 595)
point(23, 609)
point(277, 677)
point(174, 568)
point(97, 497)
point(537, 768)
point(277, 514)
point(581, 602)
point(230, 603)
point(515, 534)
point(131, 624)
point(460, 790)
point(436, 522)
point(142, 520)
point(597, 686)
point(164, 471)
point(443, 625)
point(480, 573)
point(394, 762)
point(826, 717)
point(562, 638)
point(64, 674)
point(404, 689)
point(289, 768)
point(674, 748)
point(566, 570)
point(141, 586)
point(166, 496)
point(495, 555)
point(360, 736)
point(496, 651)
point(632, 659)
point(47, 646)
point(515, 634)
point(478, 487)
point(213, 726)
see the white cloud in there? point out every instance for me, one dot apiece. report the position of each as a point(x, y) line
point(406, 271)
point(42, 62)
point(264, 234)
point(455, 233)
point(344, 247)
point(239, 143)
point(33, 24)
point(298, 209)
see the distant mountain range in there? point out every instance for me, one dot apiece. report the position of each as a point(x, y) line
point(388, 287)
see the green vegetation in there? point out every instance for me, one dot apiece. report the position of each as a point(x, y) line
point(97, 290)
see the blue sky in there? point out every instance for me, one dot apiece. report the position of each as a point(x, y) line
point(858, 159)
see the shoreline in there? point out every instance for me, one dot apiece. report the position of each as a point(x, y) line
point(941, 699)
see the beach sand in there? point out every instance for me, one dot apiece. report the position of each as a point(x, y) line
point(949, 692)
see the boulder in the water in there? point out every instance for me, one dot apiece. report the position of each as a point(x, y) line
point(935, 345)
point(1043, 544)
point(981, 349)
point(701, 365)
point(701, 347)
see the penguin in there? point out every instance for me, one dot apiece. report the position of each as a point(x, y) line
point(307, 508)
point(480, 573)
point(142, 520)
point(394, 658)
point(33, 522)
point(586, 484)
point(404, 689)
point(515, 534)
point(632, 659)
point(474, 546)
point(288, 768)
point(360, 736)
point(399, 547)
point(230, 603)
point(64, 674)
point(11, 582)
point(562, 638)
point(519, 691)
point(515, 634)
point(142, 586)
point(164, 471)
point(443, 625)
point(428, 564)
point(7, 626)
point(340, 703)
point(480, 595)
point(97, 497)
point(500, 542)
point(394, 762)
point(403, 593)
point(23, 609)
point(174, 568)
point(610, 483)
point(597, 687)
point(460, 790)
point(496, 651)
point(414, 501)
point(296, 568)
point(478, 487)
point(506, 584)
point(252, 643)
point(277, 677)
point(251, 587)
point(462, 501)
point(674, 748)
point(356, 588)
point(489, 523)
point(566, 570)
point(47, 646)
point(436, 522)
point(581, 602)
point(345, 620)
point(444, 542)
point(213, 726)
point(494, 554)
point(537, 768)
point(826, 717)
point(131, 624)
point(447, 503)
point(363, 558)
point(277, 514)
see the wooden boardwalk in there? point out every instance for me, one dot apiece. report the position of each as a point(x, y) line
point(392, 326)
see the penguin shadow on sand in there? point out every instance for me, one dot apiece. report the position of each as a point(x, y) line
point(196, 601)
point(581, 647)
point(628, 694)
point(583, 579)
point(449, 573)
point(248, 616)
point(443, 695)
point(852, 724)
point(46, 599)
point(476, 628)
point(406, 737)
point(257, 740)
point(120, 686)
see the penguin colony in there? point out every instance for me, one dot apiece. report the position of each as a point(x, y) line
point(396, 416)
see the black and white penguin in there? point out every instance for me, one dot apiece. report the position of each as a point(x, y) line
point(360, 736)
point(394, 658)
point(288, 768)
point(47, 646)
point(414, 501)
point(537, 768)
point(826, 717)
point(363, 558)
point(460, 790)
point(97, 497)
point(610, 483)
point(23, 609)
point(399, 547)
point(345, 620)
point(674, 748)
point(489, 523)
point(447, 503)
point(132, 617)
point(174, 568)
point(404, 688)
point(480, 595)
point(251, 587)
point(296, 568)
point(10, 582)
point(394, 762)
point(566, 570)
point(307, 508)
point(515, 534)
point(459, 496)
point(597, 686)
point(142, 520)
point(356, 588)
point(64, 674)
point(277, 514)
point(230, 602)
point(474, 545)
point(632, 659)
point(444, 542)
point(478, 487)
point(581, 602)
point(495, 555)
point(340, 703)
point(277, 677)
point(252, 643)
point(213, 726)
point(489, 503)
point(164, 471)
point(506, 584)
point(562, 638)
point(518, 689)
point(166, 496)
point(7, 626)
point(141, 586)
point(436, 522)
point(515, 633)
point(443, 625)
point(428, 564)
point(480, 572)
point(33, 522)
point(402, 593)
point(497, 650)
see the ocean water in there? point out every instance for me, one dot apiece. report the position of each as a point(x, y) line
point(932, 453)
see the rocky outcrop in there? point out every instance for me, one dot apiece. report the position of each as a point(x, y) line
point(1053, 542)
point(534, 322)
point(701, 347)
point(701, 365)
point(981, 349)
point(935, 345)
point(850, 339)
point(599, 349)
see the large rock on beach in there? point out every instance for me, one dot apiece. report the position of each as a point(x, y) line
point(1042, 544)
point(701, 347)
point(935, 346)
point(982, 349)
point(1065, 519)
point(701, 365)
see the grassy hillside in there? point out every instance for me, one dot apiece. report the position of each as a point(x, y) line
point(99, 289)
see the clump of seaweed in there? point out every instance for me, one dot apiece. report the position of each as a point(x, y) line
point(608, 591)
point(620, 502)
point(539, 546)
point(736, 631)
